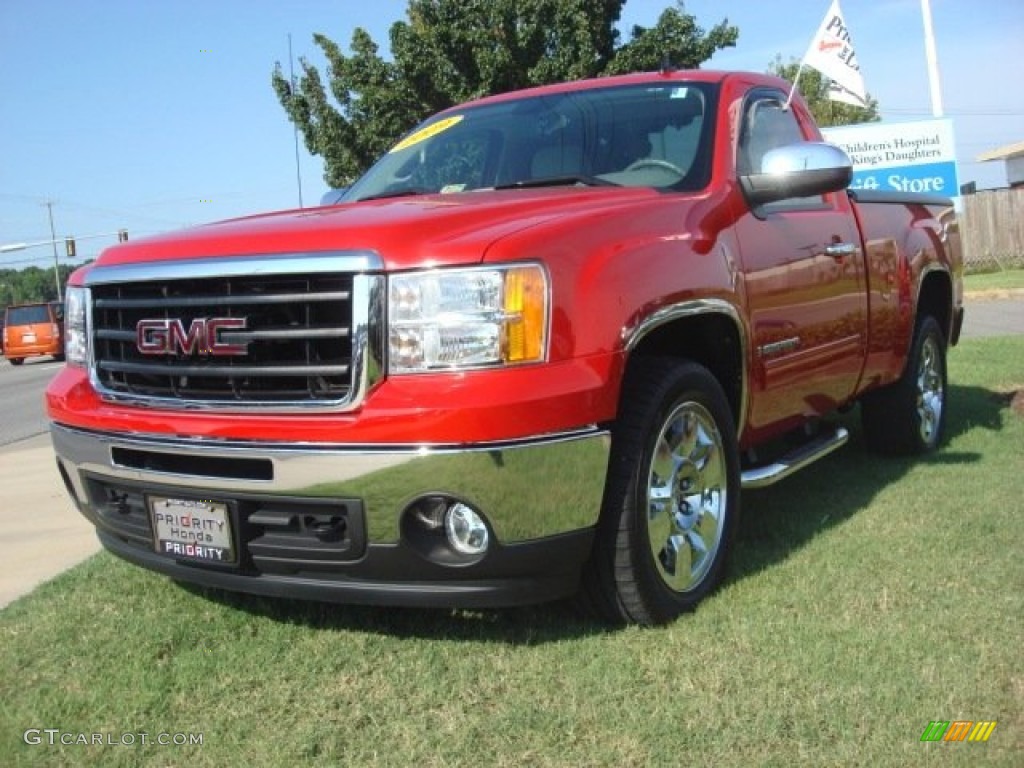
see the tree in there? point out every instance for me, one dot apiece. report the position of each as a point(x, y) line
point(449, 51)
point(31, 284)
point(813, 86)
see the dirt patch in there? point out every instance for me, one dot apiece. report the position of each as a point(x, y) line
point(1014, 399)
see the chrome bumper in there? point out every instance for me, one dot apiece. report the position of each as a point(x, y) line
point(528, 489)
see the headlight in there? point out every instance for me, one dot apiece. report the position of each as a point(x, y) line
point(76, 337)
point(466, 318)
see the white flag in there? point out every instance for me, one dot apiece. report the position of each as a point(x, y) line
point(831, 53)
point(836, 92)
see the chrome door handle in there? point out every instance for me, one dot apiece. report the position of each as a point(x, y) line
point(839, 250)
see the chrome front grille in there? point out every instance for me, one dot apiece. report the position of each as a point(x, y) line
point(266, 338)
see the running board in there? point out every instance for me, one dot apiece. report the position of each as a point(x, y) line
point(795, 460)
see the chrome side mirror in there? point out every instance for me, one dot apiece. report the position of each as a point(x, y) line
point(798, 170)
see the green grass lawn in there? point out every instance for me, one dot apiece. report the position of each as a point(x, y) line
point(868, 597)
point(1006, 280)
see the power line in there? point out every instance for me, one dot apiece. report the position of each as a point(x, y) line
point(995, 112)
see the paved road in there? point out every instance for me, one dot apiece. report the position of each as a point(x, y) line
point(993, 317)
point(21, 405)
point(42, 534)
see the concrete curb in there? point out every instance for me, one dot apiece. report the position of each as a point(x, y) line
point(41, 532)
point(994, 294)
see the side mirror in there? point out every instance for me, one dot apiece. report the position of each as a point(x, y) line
point(798, 170)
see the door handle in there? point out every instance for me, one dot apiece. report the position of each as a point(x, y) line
point(840, 250)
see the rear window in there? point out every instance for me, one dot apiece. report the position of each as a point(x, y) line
point(35, 313)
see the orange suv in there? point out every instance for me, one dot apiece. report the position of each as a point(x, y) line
point(34, 329)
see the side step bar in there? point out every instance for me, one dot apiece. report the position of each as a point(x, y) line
point(795, 460)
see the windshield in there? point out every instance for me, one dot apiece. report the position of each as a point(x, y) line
point(636, 136)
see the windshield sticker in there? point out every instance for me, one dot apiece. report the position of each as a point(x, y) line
point(426, 132)
point(448, 189)
point(679, 93)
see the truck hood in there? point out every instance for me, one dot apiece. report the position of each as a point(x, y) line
point(405, 232)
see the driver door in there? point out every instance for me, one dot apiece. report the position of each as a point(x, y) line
point(805, 284)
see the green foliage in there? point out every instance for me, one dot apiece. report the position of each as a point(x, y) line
point(31, 284)
point(450, 51)
point(676, 38)
point(813, 87)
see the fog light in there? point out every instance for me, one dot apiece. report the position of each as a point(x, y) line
point(467, 532)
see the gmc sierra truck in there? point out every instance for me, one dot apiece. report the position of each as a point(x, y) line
point(538, 350)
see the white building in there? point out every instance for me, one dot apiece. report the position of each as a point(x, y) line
point(1013, 156)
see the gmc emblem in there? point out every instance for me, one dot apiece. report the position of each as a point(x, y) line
point(161, 336)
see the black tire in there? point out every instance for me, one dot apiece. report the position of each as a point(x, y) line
point(648, 566)
point(16, 360)
point(909, 416)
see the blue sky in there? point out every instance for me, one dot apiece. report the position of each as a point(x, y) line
point(152, 115)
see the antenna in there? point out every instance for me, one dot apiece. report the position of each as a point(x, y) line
point(295, 126)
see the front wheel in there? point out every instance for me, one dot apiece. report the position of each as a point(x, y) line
point(16, 360)
point(909, 416)
point(672, 496)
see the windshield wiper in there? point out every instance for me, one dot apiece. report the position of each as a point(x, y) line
point(559, 181)
point(406, 192)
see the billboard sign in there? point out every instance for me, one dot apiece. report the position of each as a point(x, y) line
point(918, 156)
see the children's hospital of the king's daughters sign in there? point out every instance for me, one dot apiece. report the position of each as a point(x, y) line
point(917, 156)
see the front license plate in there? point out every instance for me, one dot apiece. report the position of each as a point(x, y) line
point(28, 338)
point(192, 529)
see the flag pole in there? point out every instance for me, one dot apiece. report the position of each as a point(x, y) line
point(792, 90)
point(933, 58)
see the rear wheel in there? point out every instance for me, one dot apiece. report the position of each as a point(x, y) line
point(16, 360)
point(909, 416)
point(672, 496)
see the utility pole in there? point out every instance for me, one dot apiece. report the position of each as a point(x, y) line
point(295, 127)
point(53, 236)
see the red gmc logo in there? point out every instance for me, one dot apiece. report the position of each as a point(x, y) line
point(161, 336)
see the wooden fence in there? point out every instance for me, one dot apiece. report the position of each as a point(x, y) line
point(992, 229)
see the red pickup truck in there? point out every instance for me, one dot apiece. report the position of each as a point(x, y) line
point(538, 350)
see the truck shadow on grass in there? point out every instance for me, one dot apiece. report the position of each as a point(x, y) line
point(520, 626)
point(777, 522)
point(783, 518)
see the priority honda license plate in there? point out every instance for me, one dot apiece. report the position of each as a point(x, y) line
point(192, 529)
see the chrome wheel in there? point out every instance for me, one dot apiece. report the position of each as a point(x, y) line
point(687, 493)
point(909, 415)
point(930, 390)
point(672, 500)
